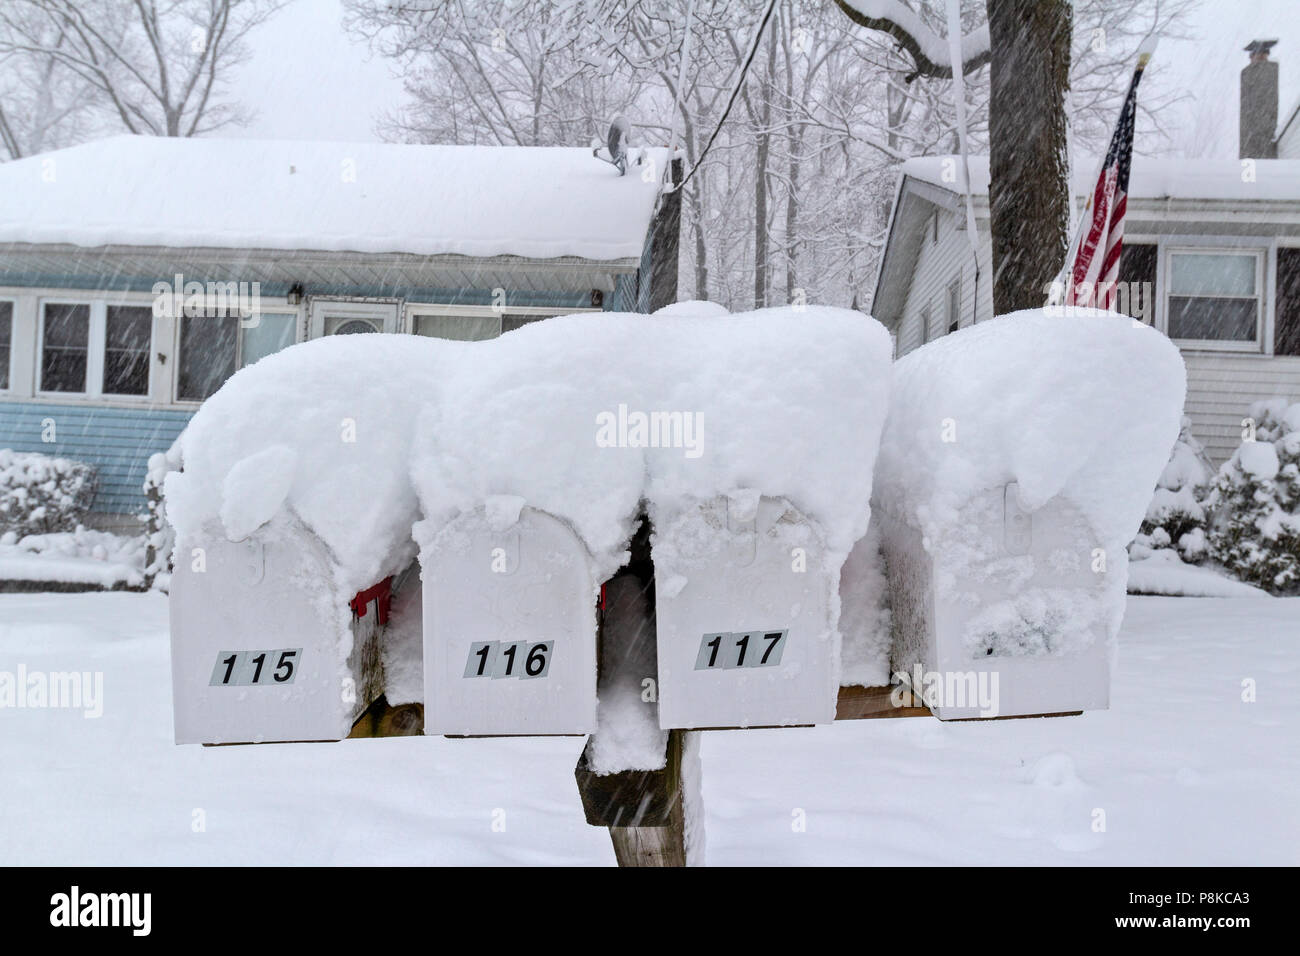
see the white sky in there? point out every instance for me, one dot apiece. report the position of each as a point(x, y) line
point(307, 80)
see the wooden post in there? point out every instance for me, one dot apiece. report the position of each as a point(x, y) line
point(643, 809)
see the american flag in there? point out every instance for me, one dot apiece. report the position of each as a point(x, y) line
point(1092, 266)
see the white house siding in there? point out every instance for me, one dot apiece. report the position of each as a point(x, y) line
point(1288, 144)
point(1221, 387)
point(936, 266)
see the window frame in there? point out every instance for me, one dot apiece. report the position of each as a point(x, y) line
point(289, 311)
point(414, 310)
point(94, 367)
point(7, 382)
point(952, 305)
point(1256, 345)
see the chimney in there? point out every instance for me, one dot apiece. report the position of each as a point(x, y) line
point(1258, 103)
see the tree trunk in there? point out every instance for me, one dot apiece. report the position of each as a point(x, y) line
point(1029, 194)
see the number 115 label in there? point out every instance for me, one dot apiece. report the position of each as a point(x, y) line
point(727, 650)
point(255, 668)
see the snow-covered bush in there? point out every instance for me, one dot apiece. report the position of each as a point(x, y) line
point(1256, 498)
point(1177, 516)
point(40, 494)
point(160, 537)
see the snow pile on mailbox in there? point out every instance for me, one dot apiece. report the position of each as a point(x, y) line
point(1016, 465)
point(319, 434)
point(586, 416)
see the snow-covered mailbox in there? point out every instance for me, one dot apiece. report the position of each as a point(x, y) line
point(510, 626)
point(525, 517)
point(755, 471)
point(746, 627)
point(750, 534)
point(293, 514)
point(1016, 465)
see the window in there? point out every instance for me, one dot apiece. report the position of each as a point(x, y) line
point(274, 331)
point(1286, 310)
point(65, 347)
point(211, 349)
point(511, 322)
point(1136, 294)
point(6, 341)
point(127, 333)
point(954, 304)
point(462, 328)
point(925, 323)
point(347, 326)
point(1214, 297)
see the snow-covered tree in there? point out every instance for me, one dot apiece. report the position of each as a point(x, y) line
point(144, 66)
point(1256, 500)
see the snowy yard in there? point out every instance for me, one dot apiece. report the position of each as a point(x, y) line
point(1184, 770)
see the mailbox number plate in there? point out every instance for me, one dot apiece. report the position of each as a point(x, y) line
point(500, 659)
point(256, 668)
point(728, 650)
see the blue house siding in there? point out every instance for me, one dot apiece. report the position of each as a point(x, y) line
point(117, 441)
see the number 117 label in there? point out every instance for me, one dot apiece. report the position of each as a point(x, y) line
point(727, 650)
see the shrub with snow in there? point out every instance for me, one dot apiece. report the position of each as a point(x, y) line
point(40, 494)
point(1256, 497)
point(1177, 516)
point(160, 537)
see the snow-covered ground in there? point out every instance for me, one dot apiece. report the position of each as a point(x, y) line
point(85, 556)
point(1184, 770)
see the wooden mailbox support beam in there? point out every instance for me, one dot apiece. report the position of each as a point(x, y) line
point(643, 809)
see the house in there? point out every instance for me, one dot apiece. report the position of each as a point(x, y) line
point(138, 273)
point(1211, 256)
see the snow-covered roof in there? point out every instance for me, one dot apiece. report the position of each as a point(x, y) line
point(536, 202)
point(1217, 179)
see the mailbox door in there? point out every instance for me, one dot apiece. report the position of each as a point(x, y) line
point(1032, 562)
point(743, 609)
point(509, 629)
point(255, 651)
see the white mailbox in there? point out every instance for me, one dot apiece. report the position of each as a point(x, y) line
point(1008, 614)
point(258, 642)
point(509, 628)
point(743, 608)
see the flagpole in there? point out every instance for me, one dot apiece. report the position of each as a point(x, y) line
point(959, 85)
point(1059, 285)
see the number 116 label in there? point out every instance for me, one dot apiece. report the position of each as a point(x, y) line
point(727, 650)
point(497, 659)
